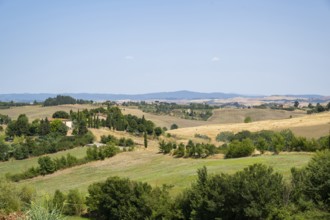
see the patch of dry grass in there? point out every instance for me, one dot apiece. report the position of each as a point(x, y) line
point(224, 116)
point(38, 112)
point(319, 123)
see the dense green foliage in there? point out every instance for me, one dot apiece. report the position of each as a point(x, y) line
point(47, 165)
point(22, 127)
point(318, 108)
point(4, 119)
point(195, 150)
point(113, 118)
point(6, 105)
point(63, 100)
point(123, 199)
point(174, 126)
point(240, 149)
point(247, 119)
point(236, 145)
point(61, 114)
point(123, 142)
point(25, 147)
point(12, 198)
point(312, 183)
point(253, 193)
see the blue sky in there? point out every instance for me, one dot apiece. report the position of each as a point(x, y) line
point(140, 46)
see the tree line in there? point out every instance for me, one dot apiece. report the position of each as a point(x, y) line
point(194, 111)
point(64, 100)
point(256, 192)
point(191, 149)
point(245, 142)
point(113, 118)
point(47, 165)
point(40, 137)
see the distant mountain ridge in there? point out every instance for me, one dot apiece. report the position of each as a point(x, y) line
point(177, 95)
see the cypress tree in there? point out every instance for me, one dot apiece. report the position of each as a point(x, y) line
point(145, 140)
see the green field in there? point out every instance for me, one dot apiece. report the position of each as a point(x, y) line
point(16, 166)
point(157, 169)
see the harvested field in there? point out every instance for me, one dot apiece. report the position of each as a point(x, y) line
point(224, 116)
point(319, 123)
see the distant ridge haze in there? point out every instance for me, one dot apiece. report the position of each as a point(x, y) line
point(176, 95)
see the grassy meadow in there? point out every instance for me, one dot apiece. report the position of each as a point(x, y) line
point(17, 166)
point(157, 169)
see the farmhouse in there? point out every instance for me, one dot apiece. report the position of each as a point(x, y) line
point(67, 122)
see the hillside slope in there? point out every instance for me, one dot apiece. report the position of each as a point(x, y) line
point(315, 125)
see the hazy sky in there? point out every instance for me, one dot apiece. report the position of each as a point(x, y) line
point(141, 46)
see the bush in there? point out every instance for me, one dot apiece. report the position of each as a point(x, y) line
point(124, 199)
point(75, 203)
point(249, 194)
point(166, 148)
point(61, 114)
point(46, 165)
point(13, 199)
point(174, 126)
point(313, 180)
point(202, 136)
point(247, 119)
point(225, 136)
point(158, 131)
point(109, 138)
point(240, 149)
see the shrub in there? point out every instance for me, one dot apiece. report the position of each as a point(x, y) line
point(240, 149)
point(74, 204)
point(174, 126)
point(313, 180)
point(247, 119)
point(124, 199)
point(46, 165)
point(202, 136)
point(225, 136)
point(61, 114)
point(253, 193)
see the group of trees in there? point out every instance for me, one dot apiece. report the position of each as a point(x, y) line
point(123, 142)
point(6, 105)
point(317, 108)
point(257, 192)
point(194, 111)
point(63, 100)
point(4, 119)
point(47, 165)
point(113, 118)
point(22, 127)
point(13, 198)
point(243, 143)
point(25, 147)
point(191, 149)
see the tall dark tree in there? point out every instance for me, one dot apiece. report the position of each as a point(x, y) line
point(145, 140)
point(19, 127)
point(44, 128)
